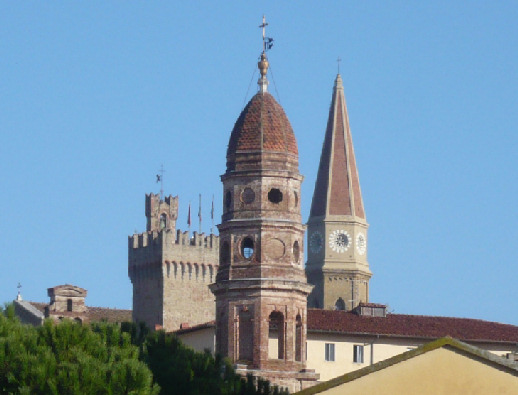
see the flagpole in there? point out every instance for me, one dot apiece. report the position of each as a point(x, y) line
point(189, 217)
point(199, 214)
point(212, 216)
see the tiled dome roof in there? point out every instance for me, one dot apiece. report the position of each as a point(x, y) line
point(262, 116)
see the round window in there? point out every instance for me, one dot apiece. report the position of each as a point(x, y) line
point(247, 248)
point(275, 195)
point(248, 195)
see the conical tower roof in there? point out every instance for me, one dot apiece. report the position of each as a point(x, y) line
point(337, 189)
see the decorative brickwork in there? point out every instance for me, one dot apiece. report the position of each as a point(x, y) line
point(170, 270)
point(261, 289)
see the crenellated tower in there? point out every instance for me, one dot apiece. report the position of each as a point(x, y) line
point(261, 289)
point(170, 270)
point(337, 228)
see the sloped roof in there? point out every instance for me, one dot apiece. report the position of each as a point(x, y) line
point(94, 314)
point(337, 189)
point(466, 329)
point(447, 342)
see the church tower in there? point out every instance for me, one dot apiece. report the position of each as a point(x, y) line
point(337, 228)
point(261, 290)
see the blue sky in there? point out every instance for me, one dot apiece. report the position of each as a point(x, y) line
point(97, 95)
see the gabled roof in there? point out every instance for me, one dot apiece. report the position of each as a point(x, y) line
point(447, 342)
point(401, 325)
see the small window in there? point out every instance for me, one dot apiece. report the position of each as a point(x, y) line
point(69, 304)
point(275, 195)
point(358, 353)
point(225, 253)
point(248, 195)
point(247, 248)
point(330, 352)
point(163, 221)
point(228, 199)
point(340, 304)
point(296, 251)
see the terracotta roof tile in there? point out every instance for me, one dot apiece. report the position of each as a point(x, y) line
point(262, 113)
point(465, 329)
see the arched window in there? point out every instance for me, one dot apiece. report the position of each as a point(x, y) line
point(298, 338)
point(296, 251)
point(225, 254)
point(247, 248)
point(246, 344)
point(340, 304)
point(163, 221)
point(276, 336)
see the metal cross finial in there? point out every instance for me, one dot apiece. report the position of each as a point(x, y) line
point(263, 26)
point(338, 60)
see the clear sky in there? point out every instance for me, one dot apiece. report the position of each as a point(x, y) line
point(95, 96)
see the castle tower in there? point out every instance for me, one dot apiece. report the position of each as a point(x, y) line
point(261, 289)
point(170, 270)
point(337, 229)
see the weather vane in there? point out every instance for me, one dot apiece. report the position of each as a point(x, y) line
point(338, 60)
point(160, 179)
point(267, 41)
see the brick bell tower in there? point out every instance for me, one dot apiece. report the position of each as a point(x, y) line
point(261, 290)
point(337, 228)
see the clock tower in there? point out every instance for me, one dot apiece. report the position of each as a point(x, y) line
point(337, 228)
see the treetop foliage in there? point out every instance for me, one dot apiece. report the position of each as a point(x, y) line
point(101, 358)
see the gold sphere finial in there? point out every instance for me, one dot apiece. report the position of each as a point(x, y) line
point(263, 65)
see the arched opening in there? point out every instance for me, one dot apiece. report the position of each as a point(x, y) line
point(340, 304)
point(275, 195)
point(298, 338)
point(296, 251)
point(276, 335)
point(224, 255)
point(247, 248)
point(69, 305)
point(78, 320)
point(246, 343)
point(228, 200)
point(163, 221)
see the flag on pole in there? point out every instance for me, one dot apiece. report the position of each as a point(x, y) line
point(189, 216)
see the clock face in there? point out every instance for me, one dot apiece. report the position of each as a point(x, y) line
point(339, 241)
point(315, 242)
point(361, 243)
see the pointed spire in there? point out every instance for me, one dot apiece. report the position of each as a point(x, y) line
point(337, 189)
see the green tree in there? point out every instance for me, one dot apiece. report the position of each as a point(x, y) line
point(69, 358)
point(178, 369)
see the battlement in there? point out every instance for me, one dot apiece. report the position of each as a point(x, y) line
point(166, 238)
